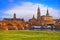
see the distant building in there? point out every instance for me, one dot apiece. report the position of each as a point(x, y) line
point(12, 23)
point(41, 20)
point(37, 23)
point(57, 25)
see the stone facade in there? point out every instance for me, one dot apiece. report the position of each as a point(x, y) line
point(42, 20)
point(19, 24)
point(12, 23)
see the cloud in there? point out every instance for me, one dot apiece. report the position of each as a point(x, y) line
point(27, 9)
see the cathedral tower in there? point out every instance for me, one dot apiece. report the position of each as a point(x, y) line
point(47, 14)
point(14, 16)
point(38, 14)
point(33, 17)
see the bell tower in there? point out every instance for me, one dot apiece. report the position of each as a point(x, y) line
point(47, 14)
point(38, 14)
point(33, 17)
point(14, 16)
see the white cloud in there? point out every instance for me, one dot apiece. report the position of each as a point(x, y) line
point(27, 9)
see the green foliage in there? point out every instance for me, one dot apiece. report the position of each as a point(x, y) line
point(29, 35)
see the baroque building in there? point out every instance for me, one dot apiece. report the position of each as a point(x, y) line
point(41, 20)
point(12, 23)
point(19, 24)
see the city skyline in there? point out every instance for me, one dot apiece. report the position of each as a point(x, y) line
point(26, 8)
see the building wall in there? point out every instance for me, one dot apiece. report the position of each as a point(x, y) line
point(13, 25)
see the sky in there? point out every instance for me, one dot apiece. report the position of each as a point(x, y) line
point(27, 8)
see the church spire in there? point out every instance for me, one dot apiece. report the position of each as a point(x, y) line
point(47, 14)
point(38, 13)
point(14, 16)
point(33, 17)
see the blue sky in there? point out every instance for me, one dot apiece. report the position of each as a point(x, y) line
point(51, 3)
point(6, 5)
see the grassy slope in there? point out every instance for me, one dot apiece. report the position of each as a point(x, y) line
point(29, 35)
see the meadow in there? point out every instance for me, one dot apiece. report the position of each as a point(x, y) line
point(29, 35)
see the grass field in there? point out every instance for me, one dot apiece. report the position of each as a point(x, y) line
point(29, 35)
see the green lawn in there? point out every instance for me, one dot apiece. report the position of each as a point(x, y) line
point(29, 35)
